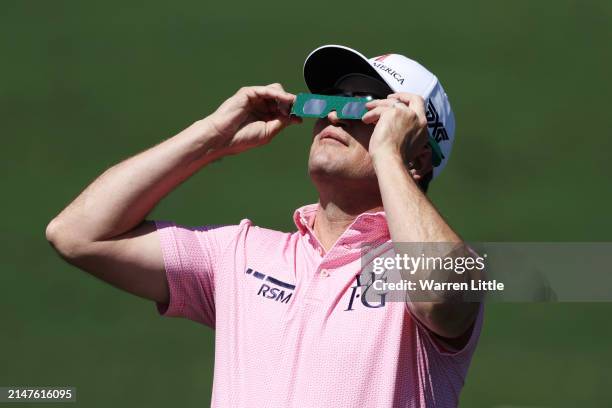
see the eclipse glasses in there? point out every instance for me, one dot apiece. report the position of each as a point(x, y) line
point(347, 107)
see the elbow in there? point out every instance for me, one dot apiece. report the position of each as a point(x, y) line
point(52, 233)
point(448, 320)
point(63, 240)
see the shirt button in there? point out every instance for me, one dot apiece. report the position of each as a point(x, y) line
point(324, 273)
point(321, 251)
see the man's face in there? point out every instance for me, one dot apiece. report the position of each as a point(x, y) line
point(340, 146)
point(339, 149)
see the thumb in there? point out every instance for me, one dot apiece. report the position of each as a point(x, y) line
point(273, 127)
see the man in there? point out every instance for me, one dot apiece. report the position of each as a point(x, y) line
point(291, 327)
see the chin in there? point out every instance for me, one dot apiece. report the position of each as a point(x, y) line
point(330, 164)
point(338, 170)
point(322, 167)
point(318, 169)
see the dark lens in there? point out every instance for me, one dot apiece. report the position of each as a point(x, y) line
point(314, 106)
point(353, 109)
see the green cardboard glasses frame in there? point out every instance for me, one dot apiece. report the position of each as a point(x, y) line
point(319, 106)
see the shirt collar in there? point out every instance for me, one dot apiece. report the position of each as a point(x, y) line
point(304, 217)
point(367, 222)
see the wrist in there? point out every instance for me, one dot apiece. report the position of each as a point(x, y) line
point(386, 154)
point(208, 144)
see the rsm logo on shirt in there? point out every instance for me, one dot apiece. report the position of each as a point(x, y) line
point(272, 288)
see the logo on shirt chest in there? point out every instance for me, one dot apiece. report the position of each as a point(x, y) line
point(366, 298)
point(272, 288)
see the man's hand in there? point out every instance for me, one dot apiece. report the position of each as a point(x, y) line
point(250, 118)
point(401, 128)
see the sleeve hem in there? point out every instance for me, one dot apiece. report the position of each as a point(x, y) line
point(172, 264)
point(469, 345)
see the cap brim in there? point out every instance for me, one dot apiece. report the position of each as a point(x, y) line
point(327, 64)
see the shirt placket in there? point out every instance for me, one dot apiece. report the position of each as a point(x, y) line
point(328, 263)
point(318, 283)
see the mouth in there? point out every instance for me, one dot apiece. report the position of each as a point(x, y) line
point(331, 134)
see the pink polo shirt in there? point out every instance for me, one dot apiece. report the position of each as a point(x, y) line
point(292, 329)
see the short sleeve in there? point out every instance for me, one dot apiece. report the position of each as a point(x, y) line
point(474, 332)
point(190, 255)
point(467, 350)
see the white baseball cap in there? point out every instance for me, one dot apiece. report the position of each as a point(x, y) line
point(328, 64)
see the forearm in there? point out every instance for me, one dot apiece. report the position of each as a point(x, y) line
point(414, 224)
point(120, 198)
point(410, 214)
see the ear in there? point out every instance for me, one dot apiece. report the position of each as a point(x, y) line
point(422, 161)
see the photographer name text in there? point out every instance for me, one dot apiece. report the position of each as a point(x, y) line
point(432, 285)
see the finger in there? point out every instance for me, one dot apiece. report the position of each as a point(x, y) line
point(380, 102)
point(277, 124)
point(283, 107)
point(271, 107)
point(405, 97)
point(277, 85)
point(273, 127)
point(414, 102)
point(295, 120)
point(281, 99)
point(373, 115)
point(268, 92)
point(270, 101)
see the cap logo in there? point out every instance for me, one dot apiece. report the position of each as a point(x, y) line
point(438, 131)
point(382, 57)
point(389, 70)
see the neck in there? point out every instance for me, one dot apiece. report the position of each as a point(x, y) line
point(339, 208)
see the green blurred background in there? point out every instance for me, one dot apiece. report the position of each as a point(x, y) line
point(85, 85)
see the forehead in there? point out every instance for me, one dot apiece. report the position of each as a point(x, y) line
point(363, 84)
